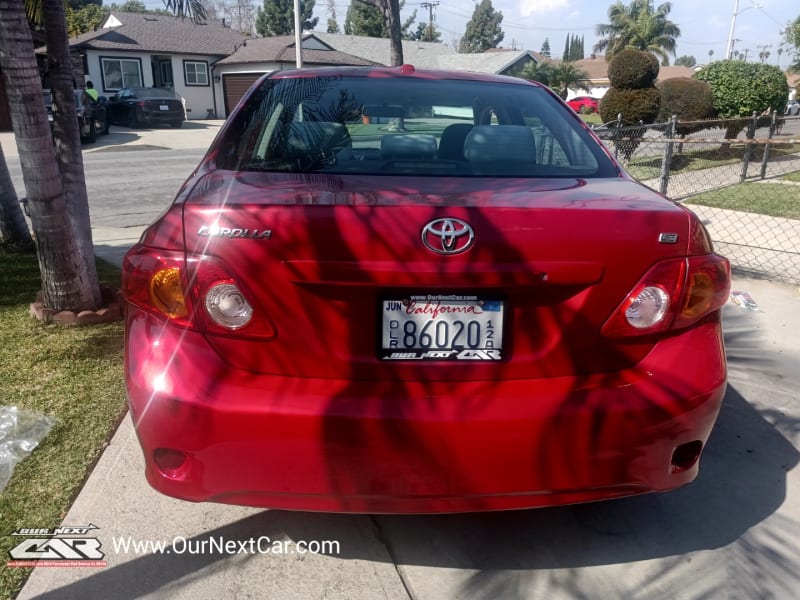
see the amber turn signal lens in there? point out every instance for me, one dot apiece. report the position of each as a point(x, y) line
point(166, 292)
point(700, 294)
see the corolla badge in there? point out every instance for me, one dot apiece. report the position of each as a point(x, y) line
point(234, 232)
point(448, 236)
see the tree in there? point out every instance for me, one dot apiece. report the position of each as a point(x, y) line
point(61, 236)
point(576, 48)
point(427, 33)
point(545, 51)
point(13, 228)
point(691, 100)
point(742, 88)
point(792, 42)
point(567, 76)
point(560, 77)
point(573, 48)
point(543, 72)
point(483, 29)
point(366, 20)
point(193, 10)
point(132, 6)
point(639, 26)
point(277, 17)
point(686, 61)
point(88, 18)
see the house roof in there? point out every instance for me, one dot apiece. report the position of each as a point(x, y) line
point(495, 61)
point(423, 55)
point(597, 68)
point(281, 49)
point(140, 32)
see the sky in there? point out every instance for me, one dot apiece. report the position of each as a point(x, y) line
point(705, 24)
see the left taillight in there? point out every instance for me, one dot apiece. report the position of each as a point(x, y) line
point(156, 280)
point(195, 292)
point(673, 294)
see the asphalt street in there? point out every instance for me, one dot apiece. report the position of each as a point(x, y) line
point(733, 533)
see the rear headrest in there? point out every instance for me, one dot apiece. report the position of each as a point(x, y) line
point(316, 138)
point(500, 144)
point(408, 145)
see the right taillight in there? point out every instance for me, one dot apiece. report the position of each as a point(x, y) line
point(673, 294)
point(707, 287)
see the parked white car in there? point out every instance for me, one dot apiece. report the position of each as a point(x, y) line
point(793, 108)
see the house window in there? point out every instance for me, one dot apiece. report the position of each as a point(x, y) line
point(195, 72)
point(120, 73)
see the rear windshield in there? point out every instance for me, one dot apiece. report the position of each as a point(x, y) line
point(410, 126)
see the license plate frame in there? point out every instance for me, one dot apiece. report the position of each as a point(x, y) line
point(163, 107)
point(472, 327)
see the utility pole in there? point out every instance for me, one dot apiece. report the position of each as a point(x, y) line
point(430, 6)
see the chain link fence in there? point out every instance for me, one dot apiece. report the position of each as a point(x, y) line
point(741, 177)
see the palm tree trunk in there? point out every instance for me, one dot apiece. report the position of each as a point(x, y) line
point(65, 281)
point(393, 26)
point(67, 135)
point(13, 227)
point(390, 9)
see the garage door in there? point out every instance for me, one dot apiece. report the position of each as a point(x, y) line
point(234, 85)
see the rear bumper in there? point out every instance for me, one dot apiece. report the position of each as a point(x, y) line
point(411, 447)
point(160, 117)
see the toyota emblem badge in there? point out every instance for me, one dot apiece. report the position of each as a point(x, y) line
point(448, 236)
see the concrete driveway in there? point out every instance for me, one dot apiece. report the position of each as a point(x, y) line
point(734, 533)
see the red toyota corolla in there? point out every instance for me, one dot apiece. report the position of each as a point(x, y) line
point(391, 290)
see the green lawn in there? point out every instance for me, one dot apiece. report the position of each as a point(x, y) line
point(649, 166)
point(772, 199)
point(792, 177)
point(592, 119)
point(74, 374)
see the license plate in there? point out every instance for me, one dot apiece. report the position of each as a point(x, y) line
point(442, 327)
point(163, 107)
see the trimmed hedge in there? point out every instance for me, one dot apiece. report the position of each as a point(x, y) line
point(742, 88)
point(633, 69)
point(635, 105)
point(689, 99)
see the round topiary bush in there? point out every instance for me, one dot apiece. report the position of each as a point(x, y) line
point(742, 88)
point(636, 105)
point(689, 99)
point(632, 69)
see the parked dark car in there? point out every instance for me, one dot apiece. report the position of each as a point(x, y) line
point(474, 309)
point(92, 115)
point(135, 107)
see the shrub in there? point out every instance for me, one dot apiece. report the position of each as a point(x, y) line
point(688, 99)
point(742, 88)
point(635, 105)
point(633, 69)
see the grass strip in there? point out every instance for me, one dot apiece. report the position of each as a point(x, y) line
point(74, 374)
